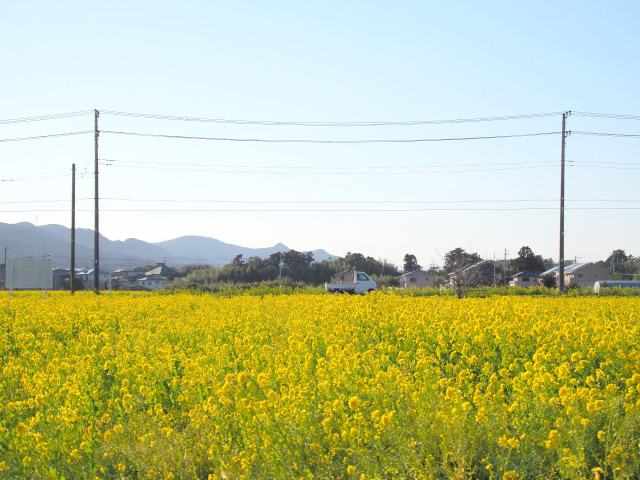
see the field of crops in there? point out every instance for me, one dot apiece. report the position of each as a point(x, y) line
point(318, 386)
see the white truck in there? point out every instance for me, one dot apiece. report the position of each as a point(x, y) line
point(351, 282)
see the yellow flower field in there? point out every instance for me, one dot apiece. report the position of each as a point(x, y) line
point(318, 386)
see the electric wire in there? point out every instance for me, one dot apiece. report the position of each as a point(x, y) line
point(307, 173)
point(42, 137)
point(299, 167)
point(601, 134)
point(319, 202)
point(615, 116)
point(56, 116)
point(334, 142)
point(327, 210)
point(32, 179)
point(327, 124)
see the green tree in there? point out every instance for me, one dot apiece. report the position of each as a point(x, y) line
point(549, 281)
point(527, 260)
point(410, 263)
point(621, 265)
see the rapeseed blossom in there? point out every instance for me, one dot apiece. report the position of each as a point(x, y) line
point(318, 386)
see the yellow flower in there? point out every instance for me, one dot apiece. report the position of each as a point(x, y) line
point(513, 442)
point(387, 417)
point(554, 439)
point(351, 469)
point(481, 416)
point(354, 403)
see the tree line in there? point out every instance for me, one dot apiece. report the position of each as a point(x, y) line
point(288, 268)
point(300, 269)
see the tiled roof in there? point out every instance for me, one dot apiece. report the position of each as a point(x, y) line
point(551, 270)
point(528, 273)
point(162, 269)
point(419, 270)
point(568, 268)
point(574, 267)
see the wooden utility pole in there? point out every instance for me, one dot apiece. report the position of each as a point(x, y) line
point(96, 243)
point(505, 267)
point(561, 263)
point(72, 270)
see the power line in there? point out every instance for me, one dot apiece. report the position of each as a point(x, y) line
point(41, 118)
point(41, 137)
point(598, 162)
point(372, 210)
point(321, 202)
point(326, 202)
point(637, 167)
point(31, 179)
point(413, 172)
point(59, 116)
point(615, 116)
point(600, 134)
point(359, 201)
point(258, 140)
point(55, 200)
point(327, 124)
point(299, 167)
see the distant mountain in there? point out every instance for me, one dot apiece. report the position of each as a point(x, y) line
point(27, 240)
point(212, 251)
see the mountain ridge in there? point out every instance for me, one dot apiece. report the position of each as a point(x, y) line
point(27, 240)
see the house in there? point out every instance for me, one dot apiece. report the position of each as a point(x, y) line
point(87, 277)
point(131, 274)
point(61, 278)
point(528, 278)
point(152, 282)
point(580, 274)
point(416, 279)
point(160, 269)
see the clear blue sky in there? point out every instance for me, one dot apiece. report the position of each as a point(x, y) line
point(328, 62)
